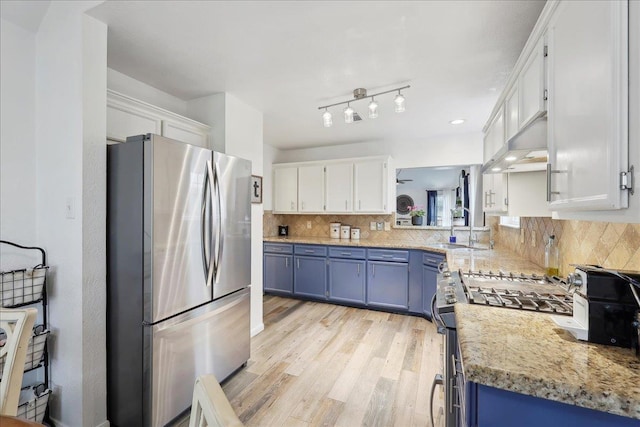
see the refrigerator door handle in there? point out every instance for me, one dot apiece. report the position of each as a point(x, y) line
point(203, 234)
point(212, 242)
point(219, 231)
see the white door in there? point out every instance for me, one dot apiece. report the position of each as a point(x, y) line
point(184, 132)
point(339, 187)
point(285, 189)
point(495, 193)
point(124, 121)
point(494, 138)
point(311, 188)
point(511, 112)
point(588, 105)
point(370, 179)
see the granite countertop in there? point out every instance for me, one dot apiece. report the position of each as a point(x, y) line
point(461, 258)
point(527, 353)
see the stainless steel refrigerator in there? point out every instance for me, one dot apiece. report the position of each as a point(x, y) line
point(179, 269)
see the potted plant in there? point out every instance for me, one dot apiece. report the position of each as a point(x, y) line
point(416, 213)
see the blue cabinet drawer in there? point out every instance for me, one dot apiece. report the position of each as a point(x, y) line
point(310, 250)
point(278, 248)
point(388, 255)
point(347, 252)
point(432, 259)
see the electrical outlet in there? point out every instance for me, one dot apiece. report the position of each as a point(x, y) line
point(387, 226)
point(372, 226)
point(533, 238)
point(379, 226)
point(522, 235)
point(309, 224)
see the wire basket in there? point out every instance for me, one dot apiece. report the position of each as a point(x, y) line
point(33, 402)
point(35, 349)
point(20, 287)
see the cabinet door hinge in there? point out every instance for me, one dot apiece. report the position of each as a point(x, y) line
point(545, 95)
point(325, 169)
point(324, 207)
point(626, 180)
point(384, 165)
point(546, 51)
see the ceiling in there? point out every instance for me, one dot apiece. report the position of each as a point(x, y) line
point(287, 58)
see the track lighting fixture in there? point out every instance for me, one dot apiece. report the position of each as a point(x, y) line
point(358, 94)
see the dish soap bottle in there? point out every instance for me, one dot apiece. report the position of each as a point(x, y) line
point(551, 257)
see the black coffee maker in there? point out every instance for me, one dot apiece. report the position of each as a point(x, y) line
point(283, 230)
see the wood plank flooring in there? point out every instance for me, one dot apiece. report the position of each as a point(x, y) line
point(319, 364)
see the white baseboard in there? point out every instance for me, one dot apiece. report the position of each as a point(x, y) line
point(255, 331)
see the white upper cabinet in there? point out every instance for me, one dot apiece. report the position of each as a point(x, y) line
point(339, 187)
point(531, 86)
point(370, 178)
point(127, 116)
point(285, 194)
point(588, 105)
point(511, 112)
point(526, 194)
point(495, 136)
point(495, 187)
point(311, 188)
point(359, 185)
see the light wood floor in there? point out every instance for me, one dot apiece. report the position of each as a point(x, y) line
point(319, 364)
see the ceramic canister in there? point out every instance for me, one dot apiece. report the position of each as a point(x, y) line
point(355, 234)
point(345, 231)
point(335, 230)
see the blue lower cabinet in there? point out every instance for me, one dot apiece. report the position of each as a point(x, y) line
point(347, 280)
point(388, 284)
point(500, 408)
point(310, 277)
point(278, 274)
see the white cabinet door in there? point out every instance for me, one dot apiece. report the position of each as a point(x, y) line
point(339, 187)
point(494, 138)
point(311, 188)
point(511, 112)
point(285, 189)
point(124, 121)
point(370, 181)
point(495, 188)
point(186, 132)
point(588, 105)
point(531, 84)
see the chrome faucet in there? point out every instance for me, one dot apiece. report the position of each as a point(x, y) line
point(472, 240)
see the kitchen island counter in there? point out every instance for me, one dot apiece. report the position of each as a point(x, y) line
point(527, 353)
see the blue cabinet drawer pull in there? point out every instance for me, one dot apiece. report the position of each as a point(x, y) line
point(345, 253)
point(309, 251)
point(387, 256)
point(435, 261)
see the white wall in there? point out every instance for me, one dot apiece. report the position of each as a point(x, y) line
point(243, 138)
point(444, 151)
point(210, 110)
point(270, 154)
point(17, 135)
point(70, 115)
point(142, 91)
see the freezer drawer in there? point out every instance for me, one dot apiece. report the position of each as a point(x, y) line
point(210, 339)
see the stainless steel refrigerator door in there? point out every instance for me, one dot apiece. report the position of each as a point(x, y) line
point(178, 227)
point(232, 237)
point(210, 339)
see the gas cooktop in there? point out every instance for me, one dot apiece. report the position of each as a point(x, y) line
point(517, 291)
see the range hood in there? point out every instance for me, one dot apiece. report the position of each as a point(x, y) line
point(523, 152)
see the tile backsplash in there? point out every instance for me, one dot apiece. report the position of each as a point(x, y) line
point(610, 245)
point(320, 228)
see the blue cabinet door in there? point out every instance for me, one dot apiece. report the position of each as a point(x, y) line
point(310, 277)
point(388, 284)
point(278, 274)
point(347, 280)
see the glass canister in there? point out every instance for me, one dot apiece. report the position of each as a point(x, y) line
point(334, 230)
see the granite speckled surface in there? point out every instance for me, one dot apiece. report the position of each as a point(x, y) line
point(527, 353)
point(462, 258)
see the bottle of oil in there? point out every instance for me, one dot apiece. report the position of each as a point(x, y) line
point(551, 257)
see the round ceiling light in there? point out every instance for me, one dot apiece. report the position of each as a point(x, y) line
point(457, 122)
